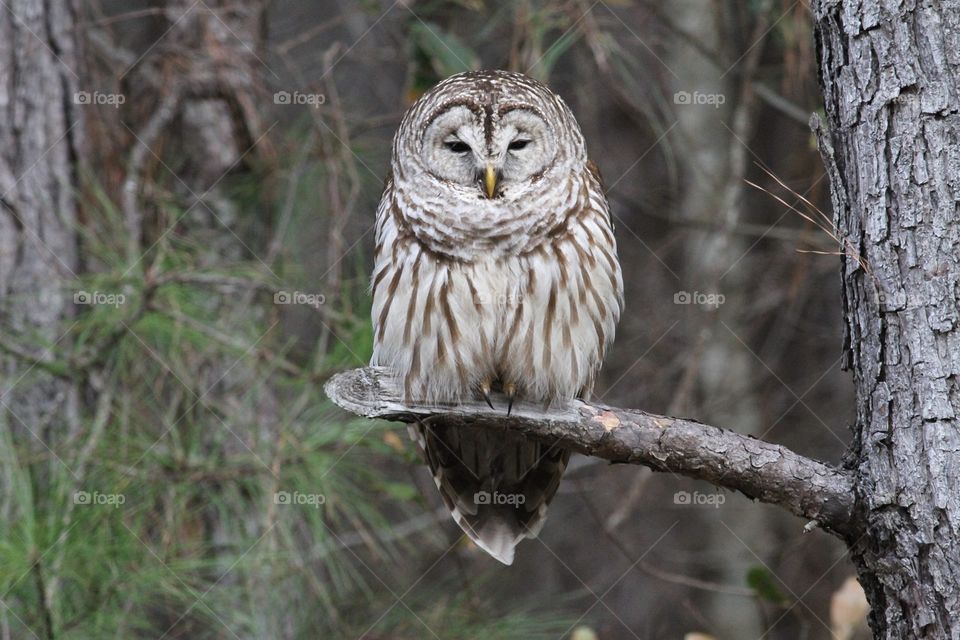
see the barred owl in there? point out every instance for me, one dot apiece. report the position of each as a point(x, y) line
point(495, 269)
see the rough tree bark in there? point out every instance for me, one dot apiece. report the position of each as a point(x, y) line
point(40, 133)
point(40, 124)
point(890, 75)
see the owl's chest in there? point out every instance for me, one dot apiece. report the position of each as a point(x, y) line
point(497, 285)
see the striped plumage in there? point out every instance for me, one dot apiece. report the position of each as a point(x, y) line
point(495, 264)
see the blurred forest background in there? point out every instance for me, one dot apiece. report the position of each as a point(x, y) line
point(169, 464)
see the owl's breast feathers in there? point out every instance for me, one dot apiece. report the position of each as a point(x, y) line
point(459, 302)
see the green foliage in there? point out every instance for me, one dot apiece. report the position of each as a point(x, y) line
point(449, 610)
point(549, 33)
point(763, 583)
point(445, 51)
point(436, 54)
point(211, 486)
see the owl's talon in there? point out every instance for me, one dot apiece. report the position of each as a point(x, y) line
point(485, 390)
point(510, 391)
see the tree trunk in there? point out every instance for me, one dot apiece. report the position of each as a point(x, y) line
point(40, 125)
point(39, 134)
point(889, 73)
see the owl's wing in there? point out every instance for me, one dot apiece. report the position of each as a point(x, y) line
point(598, 209)
point(595, 172)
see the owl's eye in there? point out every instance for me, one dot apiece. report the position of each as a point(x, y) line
point(516, 145)
point(457, 146)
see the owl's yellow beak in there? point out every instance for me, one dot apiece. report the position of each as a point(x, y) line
point(490, 180)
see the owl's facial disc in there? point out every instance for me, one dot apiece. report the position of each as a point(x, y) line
point(493, 157)
point(522, 148)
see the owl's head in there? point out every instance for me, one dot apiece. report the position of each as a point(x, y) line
point(494, 136)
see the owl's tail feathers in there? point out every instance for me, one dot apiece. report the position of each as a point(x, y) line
point(497, 484)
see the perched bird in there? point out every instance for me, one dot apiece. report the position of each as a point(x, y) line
point(495, 269)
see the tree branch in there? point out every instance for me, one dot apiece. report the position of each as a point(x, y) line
point(760, 470)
